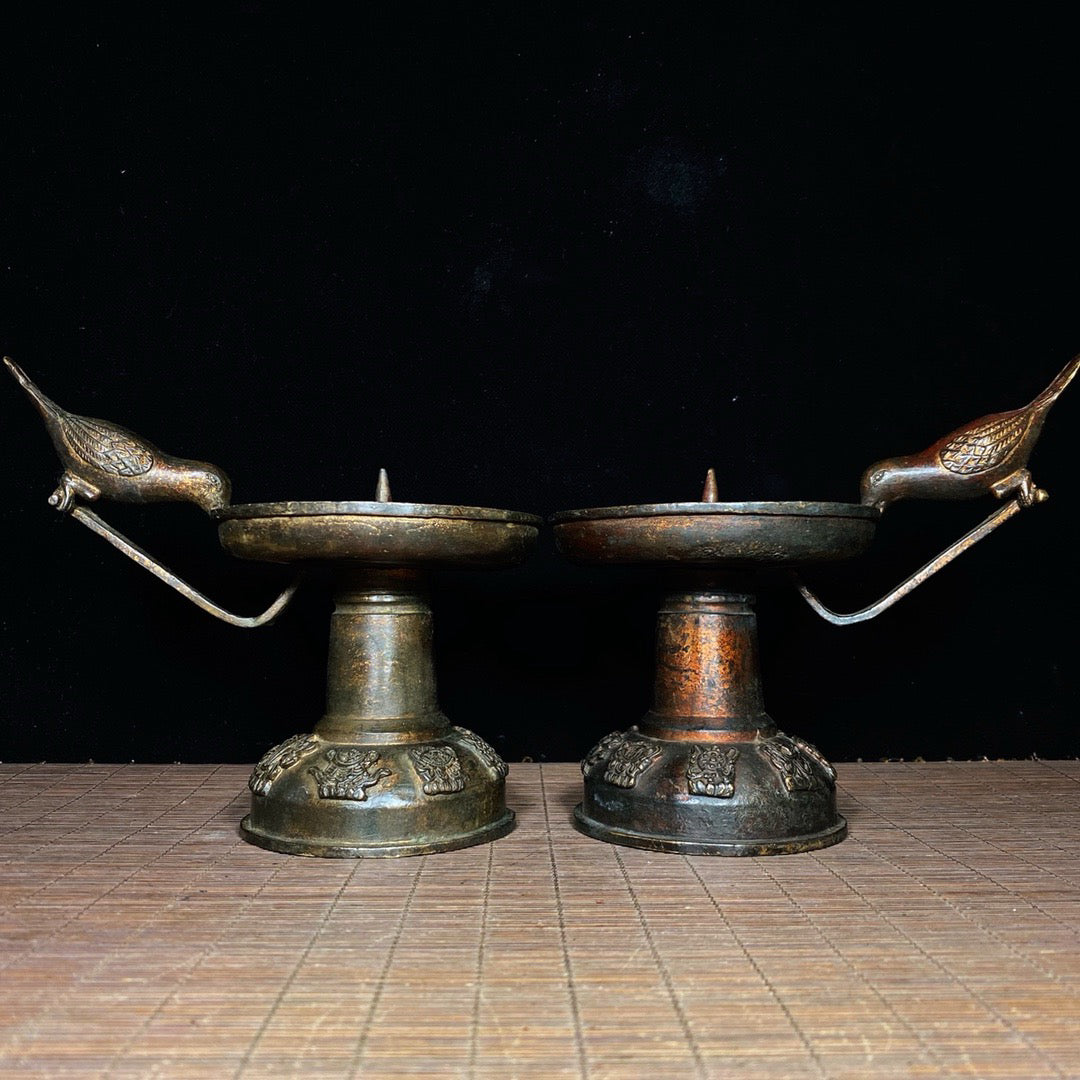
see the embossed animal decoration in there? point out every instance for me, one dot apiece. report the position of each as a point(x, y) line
point(988, 454)
point(104, 459)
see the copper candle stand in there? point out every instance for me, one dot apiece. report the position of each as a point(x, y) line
point(384, 772)
point(705, 771)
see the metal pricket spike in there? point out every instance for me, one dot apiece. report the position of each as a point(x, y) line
point(708, 493)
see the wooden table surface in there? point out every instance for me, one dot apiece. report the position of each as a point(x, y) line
point(139, 936)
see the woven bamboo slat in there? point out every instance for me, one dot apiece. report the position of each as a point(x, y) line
point(139, 936)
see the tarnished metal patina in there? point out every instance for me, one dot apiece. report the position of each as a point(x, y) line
point(706, 770)
point(384, 772)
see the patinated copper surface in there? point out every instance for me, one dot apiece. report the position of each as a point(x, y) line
point(377, 533)
point(384, 773)
point(706, 771)
point(986, 455)
point(748, 534)
point(103, 459)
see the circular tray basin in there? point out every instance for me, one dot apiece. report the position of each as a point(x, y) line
point(746, 534)
point(377, 533)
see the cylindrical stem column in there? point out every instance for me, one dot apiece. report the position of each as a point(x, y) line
point(380, 672)
point(707, 677)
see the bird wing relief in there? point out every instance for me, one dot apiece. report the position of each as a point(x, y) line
point(107, 447)
point(983, 448)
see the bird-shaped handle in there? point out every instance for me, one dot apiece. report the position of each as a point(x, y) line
point(987, 456)
point(105, 460)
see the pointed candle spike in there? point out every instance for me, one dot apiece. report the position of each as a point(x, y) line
point(709, 494)
point(382, 489)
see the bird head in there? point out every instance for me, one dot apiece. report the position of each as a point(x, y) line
point(208, 487)
point(881, 484)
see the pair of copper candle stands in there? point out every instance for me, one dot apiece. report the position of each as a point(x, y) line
point(705, 771)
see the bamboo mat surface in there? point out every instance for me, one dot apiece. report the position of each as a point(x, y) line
point(140, 937)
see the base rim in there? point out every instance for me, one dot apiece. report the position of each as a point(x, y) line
point(655, 842)
point(286, 846)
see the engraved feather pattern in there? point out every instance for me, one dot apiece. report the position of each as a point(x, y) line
point(985, 447)
point(106, 447)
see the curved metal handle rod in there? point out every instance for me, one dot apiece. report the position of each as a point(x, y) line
point(998, 517)
point(134, 552)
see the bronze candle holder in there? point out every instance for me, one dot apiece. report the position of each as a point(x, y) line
point(384, 772)
point(706, 770)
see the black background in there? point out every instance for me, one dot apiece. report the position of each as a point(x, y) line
point(537, 259)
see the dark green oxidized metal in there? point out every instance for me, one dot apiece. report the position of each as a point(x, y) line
point(384, 773)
